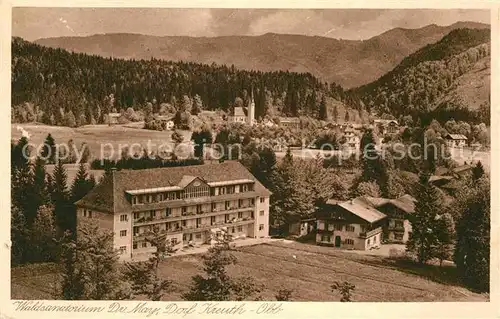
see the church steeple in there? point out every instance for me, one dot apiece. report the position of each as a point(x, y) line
point(251, 110)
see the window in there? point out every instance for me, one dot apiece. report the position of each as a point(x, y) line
point(123, 233)
point(240, 229)
point(150, 198)
point(152, 214)
point(136, 231)
point(325, 238)
point(123, 249)
point(144, 244)
point(226, 217)
point(228, 205)
point(251, 215)
point(262, 199)
point(398, 236)
point(338, 227)
point(168, 212)
point(368, 241)
point(252, 201)
point(243, 188)
point(240, 203)
point(349, 242)
point(173, 241)
point(398, 224)
point(321, 225)
point(375, 239)
point(198, 236)
point(240, 214)
point(349, 228)
point(222, 190)
point(137, 215)
point(184, 210)
point(212, 220)
point(140, 199)
point(214, 207)
point(123, 218)
point(230, 189)
point(261, 213)
point(134, 200)
point(261, 227)
point(183, 223)
point(232, 230)
point(198, 209)
point(134, 245)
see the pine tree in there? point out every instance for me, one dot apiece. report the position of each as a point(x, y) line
point(217, 285)
point(81, 185)
point(335, 113)
point(144, 276)
point(346, 118)
point(91, 266)
point(424, 239)
point(345, 288)
point(323, 112)
point(63, 210)
point(49, 149)
point(43, 236)
point(18, 236)
point(472, 250)
point(477, 171)
point(38, 190)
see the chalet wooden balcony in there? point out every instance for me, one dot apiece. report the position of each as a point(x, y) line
point(370, 233)
point(191, 215)
point(396, 228)
point(193, 229)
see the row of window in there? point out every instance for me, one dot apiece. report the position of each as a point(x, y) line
point(184, 211)
point(191, 192)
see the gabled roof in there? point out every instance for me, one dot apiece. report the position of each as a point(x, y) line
point(110, 194)
point(362, 209)
point(239, 111)
point(456, 137)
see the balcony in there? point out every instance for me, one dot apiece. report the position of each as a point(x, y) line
point(202, 227)
point(370, 233)
point(398, 228)
point(190, 215)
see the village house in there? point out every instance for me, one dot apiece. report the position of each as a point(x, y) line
point(352, 224)
point(352, 139)
point(397, 227)
point(385, 127)
point(302, 227)
point(167, 122)
point(365, 222)
point(189, 204)
point(455, 140)
point(111, 118)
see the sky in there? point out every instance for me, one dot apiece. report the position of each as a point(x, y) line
point(352, 24)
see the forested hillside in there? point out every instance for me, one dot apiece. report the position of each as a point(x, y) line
point(424, 81)
point(54, 86)
point(350, 63)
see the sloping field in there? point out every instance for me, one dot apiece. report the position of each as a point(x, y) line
point(309, 274)
point(109, 137)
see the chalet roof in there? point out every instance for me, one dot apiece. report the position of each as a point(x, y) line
point(110, 194)
point(362, 209)
point(456, 137)
point(239, 111)
point(406, 203)
point(385, 122)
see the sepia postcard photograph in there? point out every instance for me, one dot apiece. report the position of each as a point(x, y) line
point(248, 154)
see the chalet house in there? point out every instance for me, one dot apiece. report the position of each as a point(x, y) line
point(111, 118)
point(397, 228)
point(353, 224)
point(455, 140)
point(386, 126)
point(188, 204)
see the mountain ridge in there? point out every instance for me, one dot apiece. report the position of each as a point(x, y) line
point(350, 63)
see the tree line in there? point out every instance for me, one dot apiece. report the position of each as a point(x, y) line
point(57, 87)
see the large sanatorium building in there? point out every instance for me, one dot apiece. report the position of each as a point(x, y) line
point(189, 204)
